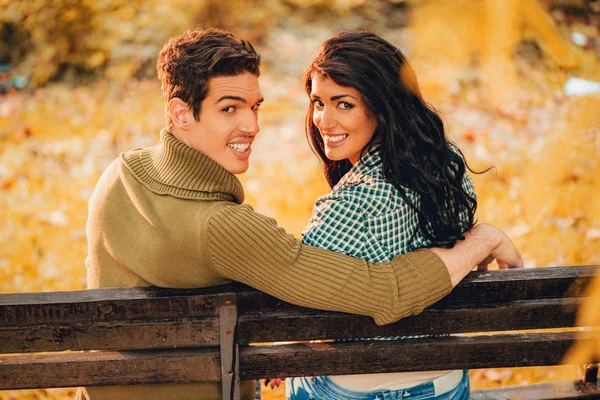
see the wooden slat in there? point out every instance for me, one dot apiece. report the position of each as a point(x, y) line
point(128, 303)
point(165, 318)
point(285, 326)
point(555, 391)
point(478, 287)
point(131, 303)
point(104, 305)
point(310, 325)
point(523, 284)
point(192, 365)
point(408, 355)
point(112, 335)
point(108, 368)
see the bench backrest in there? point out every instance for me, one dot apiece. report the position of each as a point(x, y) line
point(204, 334)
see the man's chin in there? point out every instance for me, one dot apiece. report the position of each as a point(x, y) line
point(238, 169)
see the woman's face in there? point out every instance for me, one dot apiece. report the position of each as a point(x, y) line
point(341, 117)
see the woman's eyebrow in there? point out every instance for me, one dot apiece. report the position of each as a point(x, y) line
point(333, 98)
point(339, 96)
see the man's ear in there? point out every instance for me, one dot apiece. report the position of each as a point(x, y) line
point(179, 113)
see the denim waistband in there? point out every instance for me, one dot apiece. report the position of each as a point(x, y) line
point(321, 387)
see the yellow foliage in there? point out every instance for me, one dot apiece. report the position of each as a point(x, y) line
point(490, 31)
point(56, 141)
point(120, 39)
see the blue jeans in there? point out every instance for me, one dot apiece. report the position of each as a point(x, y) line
point(322, 388)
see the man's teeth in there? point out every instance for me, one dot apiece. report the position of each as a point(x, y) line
point(337, 138)
point(241, 147)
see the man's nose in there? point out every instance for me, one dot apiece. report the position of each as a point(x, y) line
point(250, 124)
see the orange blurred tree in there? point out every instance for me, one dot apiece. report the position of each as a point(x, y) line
point(487, 33)
point(119, 39)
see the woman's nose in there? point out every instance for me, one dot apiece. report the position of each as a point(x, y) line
point(326, 119)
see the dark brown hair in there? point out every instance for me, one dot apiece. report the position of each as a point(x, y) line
point(414, 149)
point(187, 62)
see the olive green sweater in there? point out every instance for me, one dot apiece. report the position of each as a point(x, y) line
point(169, 216)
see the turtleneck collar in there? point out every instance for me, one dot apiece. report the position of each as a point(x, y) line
point(172, 167)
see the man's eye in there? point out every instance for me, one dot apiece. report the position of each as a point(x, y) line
point(229, 110)
point(256, 107)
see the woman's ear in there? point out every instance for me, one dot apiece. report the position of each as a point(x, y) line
point(179, 113)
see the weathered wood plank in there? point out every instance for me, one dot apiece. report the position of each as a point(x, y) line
point(555, 391)
point(104, 305)
point(192, 365)
point(523, 284)
point(490, 286)
point(311, 325)
point(284, 326)
point(160, 317)
point(407, 355)
point(109, 368)
point(478, 287)
point(112, 335)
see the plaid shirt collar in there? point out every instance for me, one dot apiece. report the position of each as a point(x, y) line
point(364, 170)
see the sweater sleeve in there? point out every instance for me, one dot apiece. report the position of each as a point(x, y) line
point(250, 248)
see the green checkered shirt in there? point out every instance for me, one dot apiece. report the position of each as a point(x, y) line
point(365, 217)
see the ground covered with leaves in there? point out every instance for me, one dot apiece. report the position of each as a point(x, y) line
point(56, 140)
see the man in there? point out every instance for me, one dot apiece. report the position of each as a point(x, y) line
point(172, 216)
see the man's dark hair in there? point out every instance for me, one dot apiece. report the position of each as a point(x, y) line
point(187, 62)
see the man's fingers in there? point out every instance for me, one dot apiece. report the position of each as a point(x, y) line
point(483, 266)
point(516, 262)
point(507, 255)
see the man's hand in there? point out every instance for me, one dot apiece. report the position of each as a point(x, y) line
point(505, 253)
point(483, 244)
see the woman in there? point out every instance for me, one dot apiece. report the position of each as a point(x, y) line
point(397, 183)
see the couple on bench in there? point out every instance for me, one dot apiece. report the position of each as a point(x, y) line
point(395, 234)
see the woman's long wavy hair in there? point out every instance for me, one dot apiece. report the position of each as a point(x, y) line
point(414, 149)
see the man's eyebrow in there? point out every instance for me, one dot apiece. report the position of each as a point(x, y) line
point(237, 98)
point(234, 98)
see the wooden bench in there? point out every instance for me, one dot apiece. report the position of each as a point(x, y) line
point(205, 335)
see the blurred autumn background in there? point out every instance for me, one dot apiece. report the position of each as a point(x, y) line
point(78, 87)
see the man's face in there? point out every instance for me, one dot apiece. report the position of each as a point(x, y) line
point(228, 121)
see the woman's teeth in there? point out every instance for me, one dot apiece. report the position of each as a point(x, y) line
point(241, 147)
point(337, 138)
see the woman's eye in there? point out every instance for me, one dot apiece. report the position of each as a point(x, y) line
point(345, 105)
point(256, 107)
point(318, 103)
